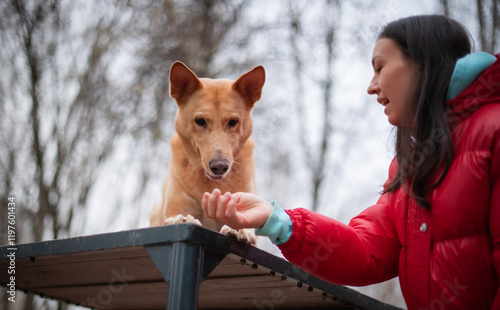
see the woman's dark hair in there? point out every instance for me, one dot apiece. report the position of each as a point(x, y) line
point(424, 147)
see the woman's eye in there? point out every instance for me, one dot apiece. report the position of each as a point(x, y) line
point(232, 122)
point(378, 69)
point(200, 122)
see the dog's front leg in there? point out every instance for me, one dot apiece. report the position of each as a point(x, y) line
point(181, 219)
point(243, 235)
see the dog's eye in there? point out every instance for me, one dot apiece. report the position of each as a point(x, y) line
point(232, 122)
point(200, 122)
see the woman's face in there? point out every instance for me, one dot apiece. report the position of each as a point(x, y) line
point(394, 76)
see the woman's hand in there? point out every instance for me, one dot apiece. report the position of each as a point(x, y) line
point(238, 210)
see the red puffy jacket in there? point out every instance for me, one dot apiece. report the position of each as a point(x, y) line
point(447, 257)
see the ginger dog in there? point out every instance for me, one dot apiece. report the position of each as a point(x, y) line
point(211, 148)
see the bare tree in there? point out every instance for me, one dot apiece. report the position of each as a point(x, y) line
point(315, 157)
point(60, 111)
point(489, 24)
point(487, 18)
point(446, 7)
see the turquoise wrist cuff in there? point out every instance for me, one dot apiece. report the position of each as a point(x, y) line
point(278, 226)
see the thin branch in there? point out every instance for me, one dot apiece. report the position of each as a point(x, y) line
point(295, 32)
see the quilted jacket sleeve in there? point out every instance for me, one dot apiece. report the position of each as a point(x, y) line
point(495, 212)
point(364, 252)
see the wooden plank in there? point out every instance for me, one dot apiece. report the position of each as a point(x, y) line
point(265, 297)
point(233, 270)
point(133, 296)
point(29, 274)
point(115, 296)
point(115, 282)
point(84, 257)
point(231, 266)
point(102, 267)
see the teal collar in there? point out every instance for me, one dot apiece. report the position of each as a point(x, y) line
point(467, 70)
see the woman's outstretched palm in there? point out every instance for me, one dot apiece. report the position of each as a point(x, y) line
point(238, 210)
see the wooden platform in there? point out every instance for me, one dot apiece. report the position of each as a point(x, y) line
point(174, 267)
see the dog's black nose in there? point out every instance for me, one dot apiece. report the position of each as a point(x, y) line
point(219, 166)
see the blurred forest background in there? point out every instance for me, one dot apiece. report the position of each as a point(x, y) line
point(85, 115)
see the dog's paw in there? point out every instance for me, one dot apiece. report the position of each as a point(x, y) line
point(181, 219)
point(243, 235)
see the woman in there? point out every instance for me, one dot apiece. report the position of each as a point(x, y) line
point(437, 222)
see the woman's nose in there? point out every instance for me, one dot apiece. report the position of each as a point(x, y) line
point(373, 88)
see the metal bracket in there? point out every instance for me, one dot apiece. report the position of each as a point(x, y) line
point(184, 266)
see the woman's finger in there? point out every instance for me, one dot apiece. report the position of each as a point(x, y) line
point(204, 202)
point(232, 212)
point(220, 212)
point(212, 203)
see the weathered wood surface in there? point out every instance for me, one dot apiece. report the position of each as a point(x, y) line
point(115, 271)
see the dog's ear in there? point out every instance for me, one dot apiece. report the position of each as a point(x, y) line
point(250, 84)
point(183, 81)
